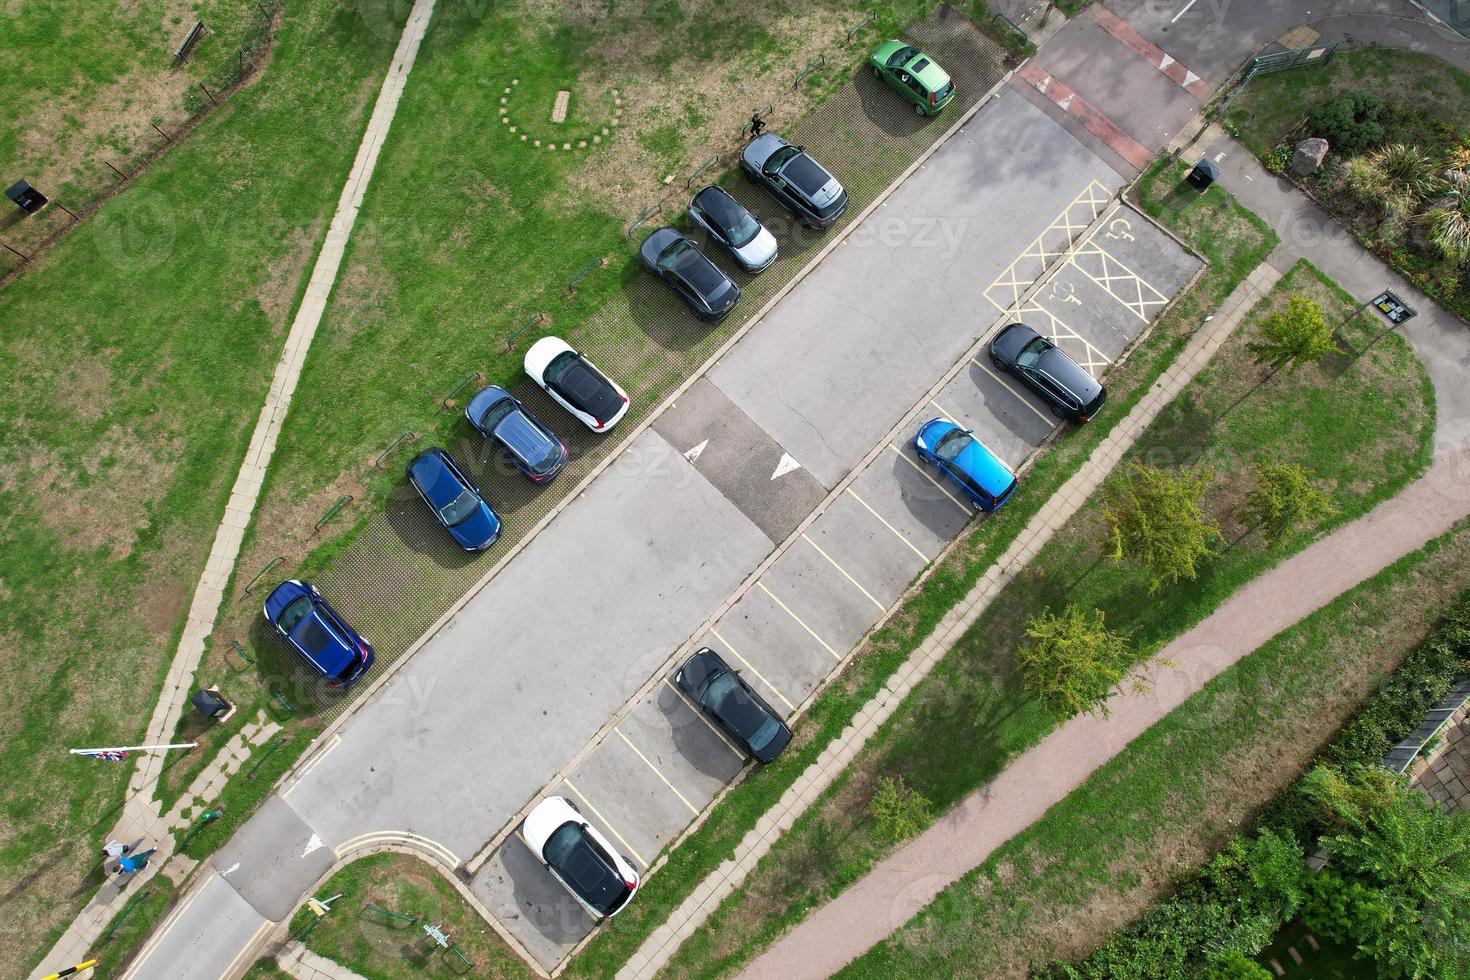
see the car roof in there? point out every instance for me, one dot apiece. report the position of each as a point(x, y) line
point(432, 473)
point(1057, 363)
point(699, 271)
point(723, 209)
point(985, 467)
point(927, 71)
point(317, 637)
point(523, 437)
point(807, 174)
point(585, 387)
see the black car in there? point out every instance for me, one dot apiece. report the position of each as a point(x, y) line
point(734, 228)
point(1046, 369)
point(812, 195)
point(729, 702)
point(682, 266)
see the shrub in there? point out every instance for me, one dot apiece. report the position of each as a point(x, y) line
point(1073, 663)
point(1284, 499)
point(1295, 335)
point(1408, 169)
point(1235, 965)
point(1349, 122)
point(1155, 519)
point(1364, 181)
point(901, 812)
point(1448, 219)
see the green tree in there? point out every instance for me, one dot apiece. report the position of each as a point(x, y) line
point(1235, 965)
point(901, 812)
point(1155, 519)
point(1294, 336)
point(1074, 663)
point(1397, 885)
point(1284, 499)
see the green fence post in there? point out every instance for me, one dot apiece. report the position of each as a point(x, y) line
point(402, 438)
point(342, 501)
point(269, 750)
point(261, 574)
point(473, 376)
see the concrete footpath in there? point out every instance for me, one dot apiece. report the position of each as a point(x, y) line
point(901, 885)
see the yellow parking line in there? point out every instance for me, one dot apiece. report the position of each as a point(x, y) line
point(930, 477)
point(951, 416)
point(596, 813)
point(1008, 387)
point(700, 715)
point(527, 845)
point(682, 798)
point(799, 622)
point(748, 666)
point(834, 564)
point(244, 950)
point(896, 532)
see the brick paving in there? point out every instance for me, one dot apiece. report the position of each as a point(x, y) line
point(664, 941)
point(1444, 774)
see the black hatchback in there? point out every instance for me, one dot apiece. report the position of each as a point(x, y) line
point(1046, 369)
point(724, 697)
point(682, 266)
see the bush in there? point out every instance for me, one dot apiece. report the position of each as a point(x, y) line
point(1351, 123)
point(901, 812)
point(1408, 169)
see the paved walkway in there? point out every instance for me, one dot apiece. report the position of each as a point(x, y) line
point(901, 885)
point(664, 941)
point(141, 817)
point(303, 964)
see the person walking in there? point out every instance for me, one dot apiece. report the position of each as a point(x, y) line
point(115, 849)
point(756, 125)
point(130, 864)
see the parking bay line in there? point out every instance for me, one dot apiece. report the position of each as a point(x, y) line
point(946, 413)
point(799, 621)
point(939, 486)
point(834, 564)
point(700, 715)
point(1051, 422)
point(598, 814)
point(896, 532)
point(758, 676)
point(682, 798)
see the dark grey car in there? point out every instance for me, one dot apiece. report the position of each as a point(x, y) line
point(730, 703)
point(812, 195)
point(1046, 369)
point(734, 228)
point(682, 266)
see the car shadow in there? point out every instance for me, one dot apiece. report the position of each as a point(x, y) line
point(886, 109)
point(409, 518)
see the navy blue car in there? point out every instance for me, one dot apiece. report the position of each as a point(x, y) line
point(530, 446)
point(454, 499)
point(315, 631)
point(978, 472)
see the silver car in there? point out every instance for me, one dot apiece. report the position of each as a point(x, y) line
point(734, 228)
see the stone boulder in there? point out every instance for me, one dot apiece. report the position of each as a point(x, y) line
point(1308, 156)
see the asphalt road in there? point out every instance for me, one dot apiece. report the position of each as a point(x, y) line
point(517, 685)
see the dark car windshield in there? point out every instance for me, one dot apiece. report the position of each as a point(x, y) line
point(585, 867)
point(806, 174)
point(459, 509)
point(294, 611)
point(313, 636)
point(901, 56)
point(944, 92)
point(1031, 353)
point(951, 444)
point(738, 224)
point(588, 391)
point(774, 162)
point(727, 698)
point(495, 413)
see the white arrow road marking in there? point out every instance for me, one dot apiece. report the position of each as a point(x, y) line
point(693, 454)
point(1190, 78)
point(786, 465)
point(1166, 61)
point(315, 844)
point(233, 867)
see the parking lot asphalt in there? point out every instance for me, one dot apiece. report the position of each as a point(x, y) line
point(512, 700)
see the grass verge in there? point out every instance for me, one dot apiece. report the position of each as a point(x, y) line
point(373, 944)
point(1231, 257)
point(139, 351)
point(970, 716)
point(1172, 797)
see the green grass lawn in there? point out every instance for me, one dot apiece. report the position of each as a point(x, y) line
point(1427, 89)
point(1169, 800)
point(373, 944)
point(962, 724)
point(139, 352)
point(83, 85)
point(1243, 243)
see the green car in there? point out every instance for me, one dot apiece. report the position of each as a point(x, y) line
point(914, 75)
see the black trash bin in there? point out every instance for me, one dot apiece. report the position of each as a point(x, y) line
point(1203, 174)
point(26, 197)
point(210, 704)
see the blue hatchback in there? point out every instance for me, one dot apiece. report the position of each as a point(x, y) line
point(500, 417)
point(454, 500)
point(315, 631)
point(980, 473)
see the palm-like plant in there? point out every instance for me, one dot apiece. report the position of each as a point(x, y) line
point(1407, 169)
point(1448, 218)
point(1364, 180)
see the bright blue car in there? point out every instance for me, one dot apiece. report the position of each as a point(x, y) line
point(530, 446)
point(454, 500)
point(315, 631)
point(981, 474)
